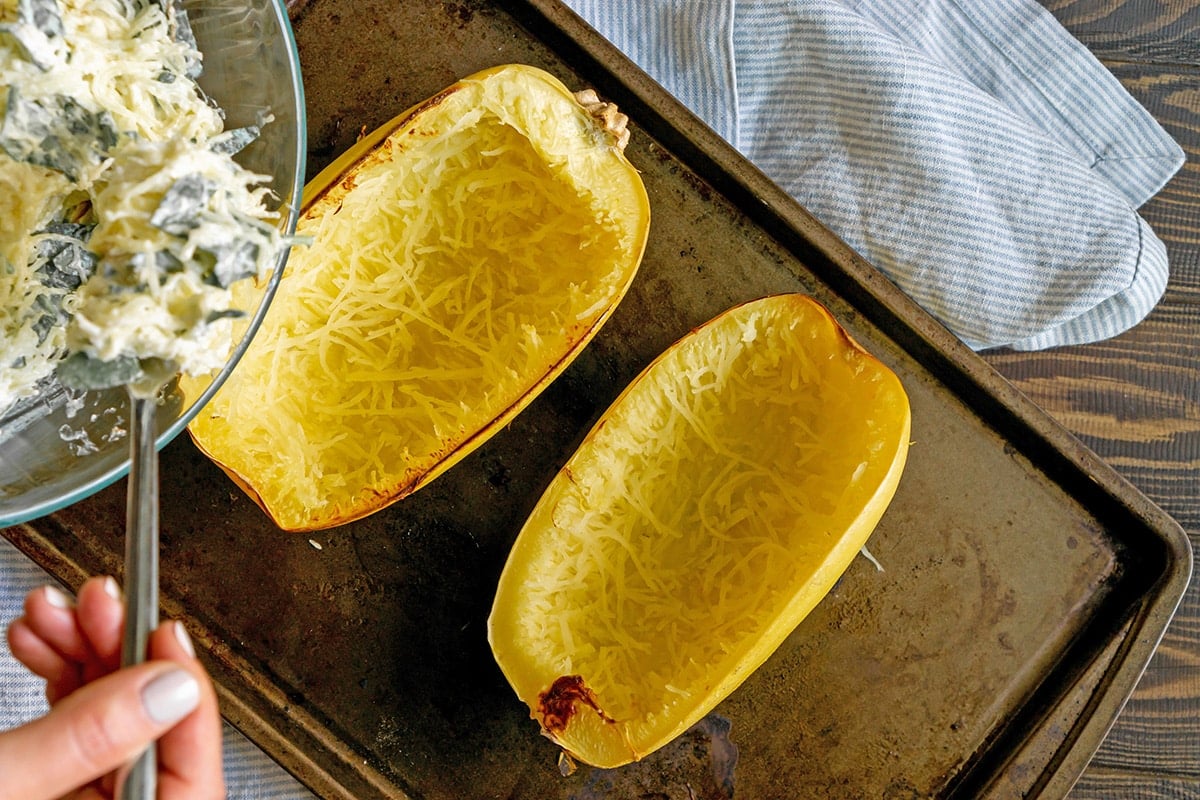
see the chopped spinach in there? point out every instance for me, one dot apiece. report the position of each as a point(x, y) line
point(234, 261)
point(184, 35)
point(183, 208)
point(57, 133)
point(50, 316)
point(166, 261)
point(38, 25)
point(232, 141)
point(43, 15)
point(63, 260)
point(182, 205)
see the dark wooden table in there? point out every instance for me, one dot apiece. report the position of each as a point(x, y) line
point(1135, 399)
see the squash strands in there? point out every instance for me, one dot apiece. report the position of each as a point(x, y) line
point(708, 511)
point(461, 256)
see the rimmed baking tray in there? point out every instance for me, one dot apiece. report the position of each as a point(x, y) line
point(1024, 583)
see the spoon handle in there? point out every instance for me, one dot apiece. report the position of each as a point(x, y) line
point(141, 574)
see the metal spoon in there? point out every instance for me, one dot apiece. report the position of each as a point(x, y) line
point(140, 780)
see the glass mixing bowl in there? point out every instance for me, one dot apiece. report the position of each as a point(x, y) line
point(250, 66)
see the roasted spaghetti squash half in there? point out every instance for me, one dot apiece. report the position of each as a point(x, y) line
point(461, 256)
point(706, 513)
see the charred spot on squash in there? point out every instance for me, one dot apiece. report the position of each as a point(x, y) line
point(557, 705)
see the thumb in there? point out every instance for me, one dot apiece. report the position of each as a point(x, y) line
point(95, 729)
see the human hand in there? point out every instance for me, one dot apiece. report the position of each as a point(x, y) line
point(101, 715)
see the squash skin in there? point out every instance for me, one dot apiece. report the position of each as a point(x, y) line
point(577, 145)
point(645, 702)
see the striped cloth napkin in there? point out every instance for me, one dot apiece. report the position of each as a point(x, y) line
point(972, 150)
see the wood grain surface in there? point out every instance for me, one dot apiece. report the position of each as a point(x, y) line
point(1135, 399)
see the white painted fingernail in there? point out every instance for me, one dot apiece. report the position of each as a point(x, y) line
point(55, 597)
point(110, 587)
point(185, 641)
point(171, 696)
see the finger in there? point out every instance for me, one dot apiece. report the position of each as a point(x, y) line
point(189, 755)
point(48, 634)
point(62, 676)
point(99, 615)
point(51, 615)
point(96, 729)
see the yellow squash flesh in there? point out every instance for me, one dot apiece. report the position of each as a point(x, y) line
point(462, 255)
point(708, 511)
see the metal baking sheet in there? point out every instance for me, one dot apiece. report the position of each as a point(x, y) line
point(1024, 584)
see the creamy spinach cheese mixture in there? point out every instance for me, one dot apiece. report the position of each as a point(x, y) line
point(123, 217)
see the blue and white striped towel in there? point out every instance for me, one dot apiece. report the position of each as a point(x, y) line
point(974, 151)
